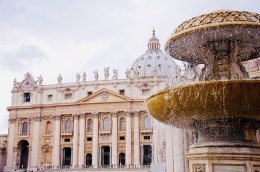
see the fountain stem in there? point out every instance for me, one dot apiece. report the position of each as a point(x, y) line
point(222, 62)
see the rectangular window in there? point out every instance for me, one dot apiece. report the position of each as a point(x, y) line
point(89, 93)
point(68, 96)
point(122, 92)
point(66, 140)
point(122, 138)
point(89, 139)
point(26, 97)
point(146, 137)
point(145, 92)
point(49, 97)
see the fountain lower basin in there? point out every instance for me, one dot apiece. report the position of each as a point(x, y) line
point(186, 105)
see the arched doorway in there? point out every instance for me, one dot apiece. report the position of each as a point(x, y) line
point(121, 159)
point(88, 159)
point(23, 150)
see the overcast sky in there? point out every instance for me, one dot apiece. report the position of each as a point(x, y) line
point(51, 37)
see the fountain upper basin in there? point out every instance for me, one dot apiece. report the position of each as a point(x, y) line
point(183, 106)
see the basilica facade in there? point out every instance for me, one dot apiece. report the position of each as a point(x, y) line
point(98, 123)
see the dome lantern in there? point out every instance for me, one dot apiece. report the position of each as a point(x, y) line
point(153, 43)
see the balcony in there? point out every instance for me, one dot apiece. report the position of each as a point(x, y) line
point(105, 131)
point(146, 130)
point(67, 133)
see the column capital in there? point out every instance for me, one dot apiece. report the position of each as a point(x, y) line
point(76, 115)
point(128, 113)
point(82, 115)
point(114, 114)
point(136, 113)
point(96, 115)
point(37, 118)
point(12, 120)
point(57, 117)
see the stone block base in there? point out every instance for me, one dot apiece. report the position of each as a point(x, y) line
point(224, 158)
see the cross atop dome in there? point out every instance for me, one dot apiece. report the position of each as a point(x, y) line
point(153, 43)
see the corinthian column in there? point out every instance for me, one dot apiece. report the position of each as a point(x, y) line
point(10, 148)
point(136, 140)
point(82, 122)
point(128, 138)
point(114, 139)
point(95, 141)
point(56, 143)
point(75, 140)
point(35, 142)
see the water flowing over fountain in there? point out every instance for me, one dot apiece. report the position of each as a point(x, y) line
point(223, 110)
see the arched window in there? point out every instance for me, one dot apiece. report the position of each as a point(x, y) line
point(89, 125)
point(25, 128)
point(122, 123)
point(121, 159)
point(147, 122)
point(68, 125)
point(48, 127)
point(89, 159)
point(105, 123)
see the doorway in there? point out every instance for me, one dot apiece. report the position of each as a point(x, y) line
point(105, 155)
point(147, 155)
point(88, 159)
point(66, 156)
point(122, 159)
point(23, 146)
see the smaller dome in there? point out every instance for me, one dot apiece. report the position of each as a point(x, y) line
point(154, 63)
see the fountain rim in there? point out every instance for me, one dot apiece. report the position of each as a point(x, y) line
point(192, 84)
point(202, 28)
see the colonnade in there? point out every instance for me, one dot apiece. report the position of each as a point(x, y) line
point(78, 153)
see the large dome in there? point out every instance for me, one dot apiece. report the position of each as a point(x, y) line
point(154, 63)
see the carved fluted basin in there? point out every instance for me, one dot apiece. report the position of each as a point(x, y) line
point(220, 40)
point(187, 105)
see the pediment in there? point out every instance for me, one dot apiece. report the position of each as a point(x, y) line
point(104, 95)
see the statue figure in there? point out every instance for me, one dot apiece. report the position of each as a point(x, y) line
point(59, 79)
point(40, 80)
point(127, 73)
point(136, 74)
point(77, 77)
point(96, 75)
point(106, 73)
point(115, 74)
point(192, 72)
point(15, 83)
point(84, 77)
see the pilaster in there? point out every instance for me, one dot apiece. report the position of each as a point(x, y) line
point(82, 139)
point(35, 142)
point(56, 144)
point(75, 140)
point(128, 139)
point(114, 138)
point(136, 139)
point(95, 141)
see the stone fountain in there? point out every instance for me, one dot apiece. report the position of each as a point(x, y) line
point(223, 109)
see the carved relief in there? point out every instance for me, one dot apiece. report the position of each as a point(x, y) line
point(199, 168)
point(27, 83)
